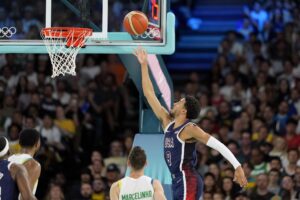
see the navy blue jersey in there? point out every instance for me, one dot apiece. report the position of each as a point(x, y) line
point(8, 187)
point(181, 158)
point(178, 153)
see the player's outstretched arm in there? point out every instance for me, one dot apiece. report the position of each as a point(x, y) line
point(159, 193)
point(114, 191)
point(200, 135)
point(19, 174)
point(161, 113)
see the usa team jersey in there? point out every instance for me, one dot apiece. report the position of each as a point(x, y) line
point(8, 187)
point(177, 152)
point(181, 158)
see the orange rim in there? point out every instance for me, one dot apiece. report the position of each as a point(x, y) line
point(65, 32)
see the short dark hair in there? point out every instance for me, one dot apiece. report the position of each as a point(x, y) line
point(192, 107)
point(137, 158)
point(29, 137)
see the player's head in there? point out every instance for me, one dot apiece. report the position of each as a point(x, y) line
point(4, 147)
point(30, 139)
point(137, 158)
point(188, 107)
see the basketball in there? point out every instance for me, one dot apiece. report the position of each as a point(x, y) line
point(135, 23)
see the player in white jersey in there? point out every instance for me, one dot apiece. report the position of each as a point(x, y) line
point(137, 185)
point(30, 143)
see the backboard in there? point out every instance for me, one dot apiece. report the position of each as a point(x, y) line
point(22, 21)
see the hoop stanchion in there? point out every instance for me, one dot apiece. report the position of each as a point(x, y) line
point(63, 45)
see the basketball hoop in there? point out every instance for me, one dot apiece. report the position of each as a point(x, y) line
point(63, 45)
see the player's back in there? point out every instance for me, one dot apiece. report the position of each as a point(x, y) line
point(22, 159)
point(8, 187)
point(140, 188)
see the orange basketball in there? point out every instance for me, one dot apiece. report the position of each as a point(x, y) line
point(135, 23)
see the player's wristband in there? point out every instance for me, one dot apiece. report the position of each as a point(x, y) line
point(220, 147)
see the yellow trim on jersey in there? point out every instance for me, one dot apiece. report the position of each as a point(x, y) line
point(120, 183)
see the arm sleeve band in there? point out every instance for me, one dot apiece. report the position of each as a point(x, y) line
point(220, 147)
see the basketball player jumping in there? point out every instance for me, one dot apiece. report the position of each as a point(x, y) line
point(30, 143)
point(180, 139)
point(137, 185)
point(13, 177)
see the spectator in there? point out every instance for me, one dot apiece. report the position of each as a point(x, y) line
point(260, 166)
point(66, 126)
point(288, 189)
point(218, 196)
point(86, 192)
point(293, 140)
point(274, 177)
point(293, 158)
point(210, 183)
point(116, 156)
point(258, 16)
point(98, 190)
point(275, 163)
point(228, 188)
point(61, 94)
point(246, 28)
point(50, 133)
point(261, 191)
point(112, 174)
point(55, 193)
point(48, 103)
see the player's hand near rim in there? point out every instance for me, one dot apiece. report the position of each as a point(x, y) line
point(190, 132)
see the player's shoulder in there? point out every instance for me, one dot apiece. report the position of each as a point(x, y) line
point(156, 183)
point(116, 185)
point(33, 163)
point(191, 126)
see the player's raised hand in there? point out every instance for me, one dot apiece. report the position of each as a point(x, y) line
point(239, 177)
point(141, 55)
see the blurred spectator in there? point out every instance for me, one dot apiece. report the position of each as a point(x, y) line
point(13, 137)
point(48, 103)
point(86, 192)
point(288, 189)
point(228, 188)
point(112, 174)
point(61, 94)
point(258, 16)
point(274, 177)
point(293, 140)
point(66, 126)
point(98, 190)
point(293, 159)
point(117, 156)
point(261, 191)
point(246, 28)
point(275, 163)
point(50, 133)
point(55, 193)
point(210, 183)
point(260, 166)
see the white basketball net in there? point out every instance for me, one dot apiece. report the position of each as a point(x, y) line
point(63, 48)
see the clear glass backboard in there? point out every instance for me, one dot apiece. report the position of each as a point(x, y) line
point(22, 20)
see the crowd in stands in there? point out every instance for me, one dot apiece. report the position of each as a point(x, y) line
point(252, 104)
point(87, 122)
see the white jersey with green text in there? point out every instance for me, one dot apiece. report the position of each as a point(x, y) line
point(134, 189)
point(21, 159)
